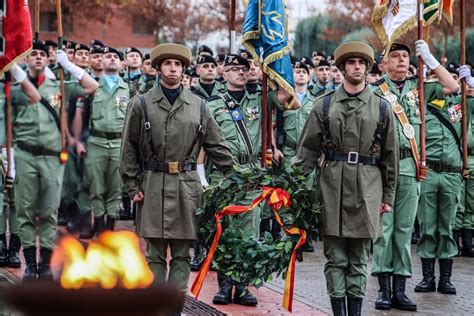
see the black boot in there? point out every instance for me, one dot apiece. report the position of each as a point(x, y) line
point(467, 250)
point(3, 251)
point(44, 267)
point(383, 300)
point(31, 270)
point(14, 252)
point(354, 306)
point(62, 214)
point(224, 296)
point(110, 225)
point(456, 237)
point(338, 305)
point(428, 283)
point(399, 299)
point(242, 296)
point(99, 225)
point(73, 224)
point(444, 284)
point(197, 261)
point(86, 226)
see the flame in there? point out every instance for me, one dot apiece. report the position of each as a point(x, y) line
point(114, 259)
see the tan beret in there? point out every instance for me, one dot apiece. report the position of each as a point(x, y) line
point(170, 50)
point(354, 49)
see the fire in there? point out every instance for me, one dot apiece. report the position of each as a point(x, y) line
point(114, 259)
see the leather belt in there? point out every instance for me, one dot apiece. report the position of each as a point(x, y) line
point(352, 157)
point(106, 135)
point(37, 150)
point(439, 167)
point(171, 167)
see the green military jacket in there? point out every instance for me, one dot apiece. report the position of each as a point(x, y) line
point(318, 90)
point(351, 192)
point(108, 112)
point(198, 90)
point(33, 123)
point(408, 99)
point(133, 84)
point(146, 82)
point(171, 200)
point(294, 121)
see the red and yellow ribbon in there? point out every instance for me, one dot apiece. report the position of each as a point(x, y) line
point(277, 198)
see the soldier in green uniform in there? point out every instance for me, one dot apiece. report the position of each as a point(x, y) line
point(320, 83)
point(220, 67)
point(464, 224)
point(392, 251)
point(107, 115)
point(164, 131)
point(133, 58)
point(9, 255)
point(255, 73)
point(37, 146)
point(96, 69)
point(149, 77)
point(81, 56)
point(355, 131)
point(207, 85)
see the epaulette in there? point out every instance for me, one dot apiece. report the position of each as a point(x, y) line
point(214, 97)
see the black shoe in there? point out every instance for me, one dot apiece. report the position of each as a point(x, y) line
point(44, 267)
point(242, 296)
point(99, 225)
point(456, 237)
point(428, 283)
point(467, 250)
point(383, 300)
point(224, 296)
point(354, 306)
point(399, 299)
point(86, 226)
point(338, 305)
point(73, 223)
point(14, 252)
point(444, 284)
point(3, 251)
point(31, 270)
point(110, 225)
point(196, 262)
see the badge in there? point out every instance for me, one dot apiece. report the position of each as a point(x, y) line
point(409, 131)
point(236, 115)
point(222, 110)
point(121, 102)
point(412, 98)
point(455, 114)
point(55, 100)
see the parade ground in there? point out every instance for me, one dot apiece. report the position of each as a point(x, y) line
point(310, 291)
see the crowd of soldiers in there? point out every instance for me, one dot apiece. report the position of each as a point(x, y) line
point(147, 133)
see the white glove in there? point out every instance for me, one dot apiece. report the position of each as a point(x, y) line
point(202, 175)
point(423, 51)
point(465, 72)
point(18, 74)
point(63, 61)
point(49, 73)
point(12, 159)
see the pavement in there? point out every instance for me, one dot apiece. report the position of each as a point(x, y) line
point(310, 296)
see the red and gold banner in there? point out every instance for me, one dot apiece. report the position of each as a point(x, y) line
point(277, 198)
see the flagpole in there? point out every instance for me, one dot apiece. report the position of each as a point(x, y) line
point(8, 123)
point(264, 120)
point(233, 49)
point(421, 96)
point(62, 110)
point(37, 19)
point(465, 165)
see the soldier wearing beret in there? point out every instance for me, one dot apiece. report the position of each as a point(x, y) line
point(354, 129)
point(96, 67)
point(207, 85)
point(81, 56)
point(392, 251)
point(321, 75)
point(375, 74)
point(205, 50)
point(52, 46)
point(255, 73)
point(134, 59)
point(164, 131)
point(149, 77)
point(220, 67)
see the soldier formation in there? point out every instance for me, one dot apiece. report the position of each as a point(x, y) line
point(147, 133)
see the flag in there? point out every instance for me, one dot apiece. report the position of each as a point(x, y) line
point(437, 9)
point(16, 38)
point(393, 18)
point(265, 35)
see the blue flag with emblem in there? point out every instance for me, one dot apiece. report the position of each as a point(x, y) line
point(265, 35)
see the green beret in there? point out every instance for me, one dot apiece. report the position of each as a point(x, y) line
point(354, 49)
point(170, 50)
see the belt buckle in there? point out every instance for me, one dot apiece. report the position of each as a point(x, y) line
point(173, 167)
point(353, 157)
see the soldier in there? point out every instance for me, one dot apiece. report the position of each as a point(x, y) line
point(107, 115)
point(320, 83)
point(37, 146)
point(9, 254)
point(52, 48)
point(354, 129)
point(69, 47)
point(374, 74)
point(392, 251)
point(96, 66)
point(164, 130)
point(207, 85)
point(335, 77)
point(205, 50)
point(186, 79)
point(149, 78)
point(255, 74)
point(81, 56)
point(133, 58)
point(317, 57)
point(220, 67)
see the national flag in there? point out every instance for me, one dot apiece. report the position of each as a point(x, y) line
point(16, 38)
point(437, 9)
point(265, 35)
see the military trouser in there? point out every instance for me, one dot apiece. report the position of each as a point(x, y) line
point(8, 213)
point(465, 212)
point(440, 195)
point(71, 179)
point(179, 264)
point(105, 182)
point(37, 196)
point(392, 250)
point(83, 194)
point(346, 266)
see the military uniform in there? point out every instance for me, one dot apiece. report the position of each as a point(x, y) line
point(347, 130)
point(201, 92)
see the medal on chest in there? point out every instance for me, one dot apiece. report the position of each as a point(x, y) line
point(412, 98)
point(55, 100)
point(455, 114)
point(121, 102)
point(252, 113)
